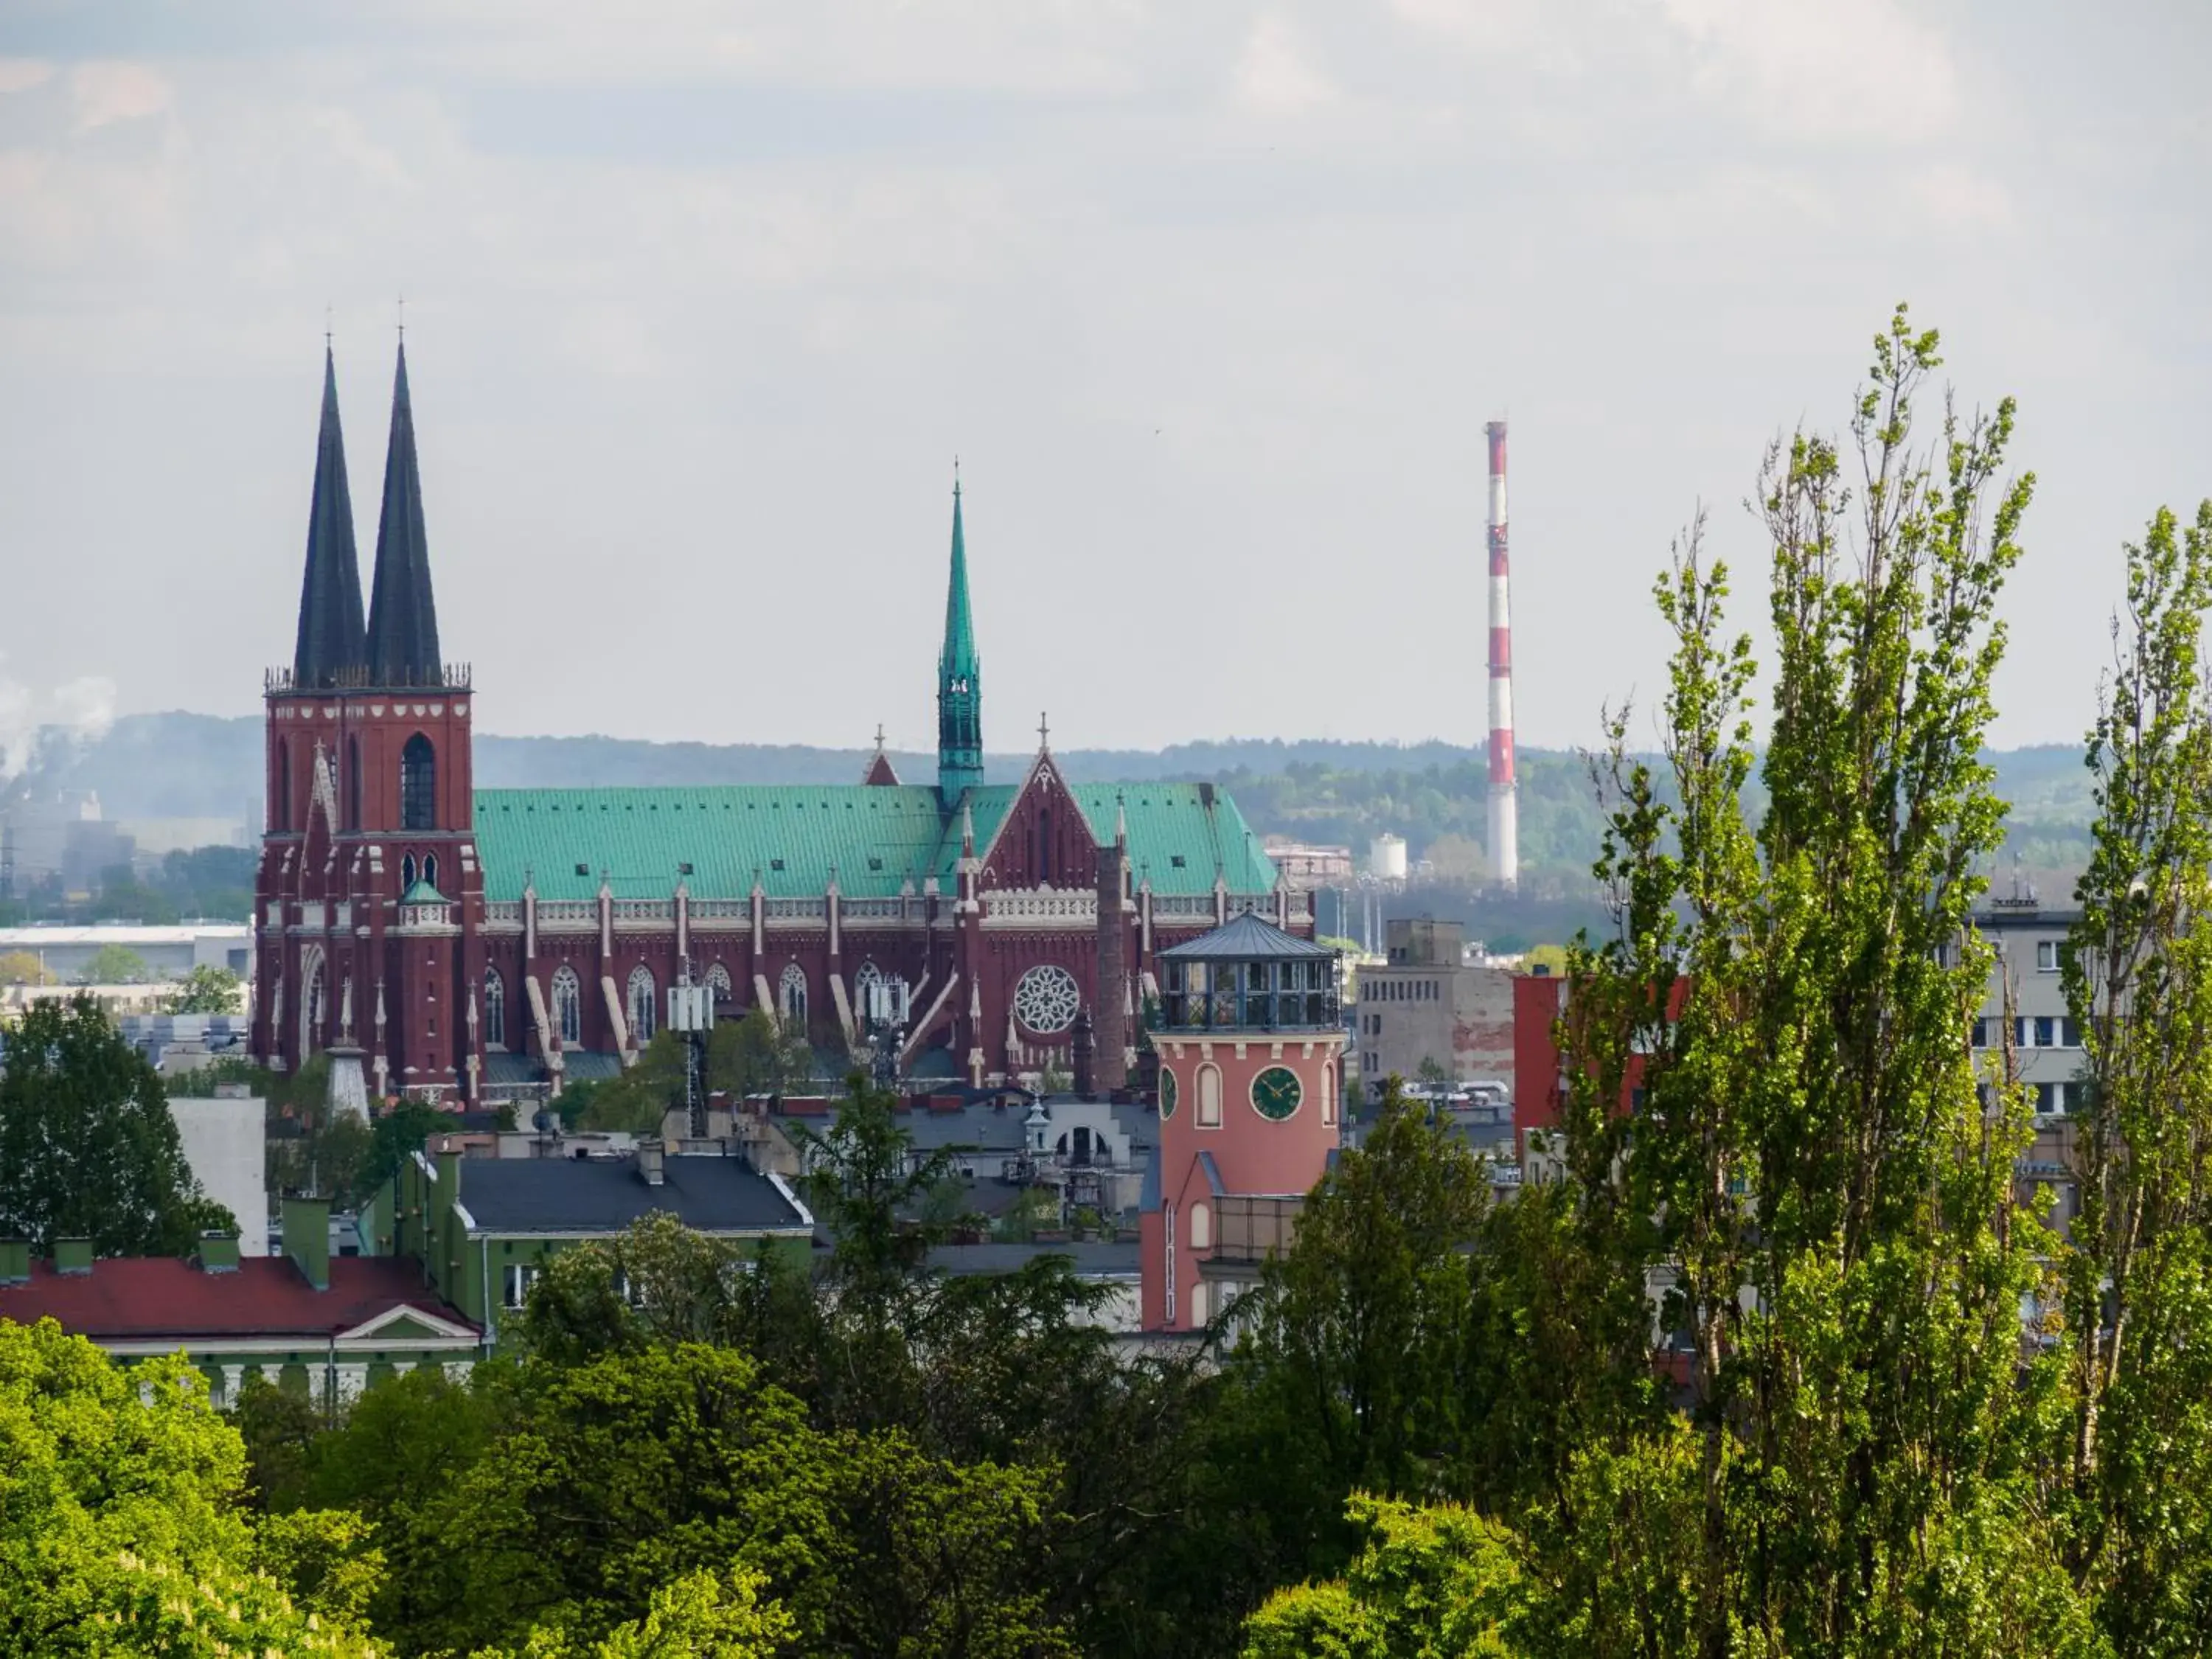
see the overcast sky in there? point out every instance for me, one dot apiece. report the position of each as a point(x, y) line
point(1211, 300)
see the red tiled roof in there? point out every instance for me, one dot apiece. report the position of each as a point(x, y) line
point(165, 1295)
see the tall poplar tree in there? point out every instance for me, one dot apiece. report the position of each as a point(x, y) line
point(2139, 982)
point(1777, 1140)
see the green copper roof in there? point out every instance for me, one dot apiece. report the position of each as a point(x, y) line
point(959, 680)
point(959, 652)
point(876, 836)
point(423, 893)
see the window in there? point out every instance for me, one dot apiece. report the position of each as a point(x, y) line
point(2069, 1034)
point(641, 1006)
point(516, 1289)
point(430, 868)
point(353, 783)
point(2047, 1032)
point(1201, 1227)
point(407, 873)
point(2046, 955)
point(717, 981)
point(567, 1006)
point(1329, 1094)
point(1981, 1034)
point(418, 785)
point(1197, 1303)
point(495, 1023)
point(1209, 1097)
point(280, 809)
point(791, 994)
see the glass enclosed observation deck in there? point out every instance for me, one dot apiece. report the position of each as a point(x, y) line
point(1248, 976)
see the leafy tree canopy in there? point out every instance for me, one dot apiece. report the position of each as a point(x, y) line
point(88, 1147)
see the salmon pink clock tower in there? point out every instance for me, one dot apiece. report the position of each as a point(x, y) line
point(1249, 1040)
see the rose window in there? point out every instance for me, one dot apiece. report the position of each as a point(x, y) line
point(1045, 1000)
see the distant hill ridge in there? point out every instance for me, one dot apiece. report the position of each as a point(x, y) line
point(187, 765)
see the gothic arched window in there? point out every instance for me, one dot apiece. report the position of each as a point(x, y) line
point(430, 868)
point(406, 874)
point(868, 999)
point(353, 783)
point(495, 1022)
point(791, 994)
point(418, 785)
point(280, 810)
point(567, 1006)
point(718, 980)
point(641, 1006)
point(313, 988)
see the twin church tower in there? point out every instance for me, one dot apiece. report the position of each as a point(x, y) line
point(471, 946)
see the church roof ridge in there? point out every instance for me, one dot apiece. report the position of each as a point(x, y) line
point(877, 835)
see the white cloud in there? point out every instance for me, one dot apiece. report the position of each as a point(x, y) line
point(1817, 69)
point(107, 93)
point(1276, 74)
point(21, 74)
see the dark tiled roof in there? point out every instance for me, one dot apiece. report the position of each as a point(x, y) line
point(1094, 1259)
point(1245, 938)
point(332, 640)
point(606, 1195)
point(142, 1296)
point(403, 616)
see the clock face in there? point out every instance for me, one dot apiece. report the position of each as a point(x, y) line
point(1276, 1091)
point(1167, 1094)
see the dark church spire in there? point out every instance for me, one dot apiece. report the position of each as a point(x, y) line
point(403, 618)
point(331, 647)
point(959, 680)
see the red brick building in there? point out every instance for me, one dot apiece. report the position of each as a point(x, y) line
point(475, 943)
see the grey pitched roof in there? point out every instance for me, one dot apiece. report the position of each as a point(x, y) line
point(332, 645)
point(1093, 1259)
point(1243, 939)
point(606, 1195)
point(403, 617)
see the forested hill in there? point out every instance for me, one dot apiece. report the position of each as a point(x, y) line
point(182, 765)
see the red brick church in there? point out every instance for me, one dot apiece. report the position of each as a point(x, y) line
point(479, 944)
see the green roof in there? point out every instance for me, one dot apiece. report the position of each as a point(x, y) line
point(423, 893)
point(876, 836)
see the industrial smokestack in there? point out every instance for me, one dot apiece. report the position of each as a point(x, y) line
point(1505, 821)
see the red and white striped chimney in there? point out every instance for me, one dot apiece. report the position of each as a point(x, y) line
point(1505, 821)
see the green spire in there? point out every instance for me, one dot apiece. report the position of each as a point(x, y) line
point(959, 678)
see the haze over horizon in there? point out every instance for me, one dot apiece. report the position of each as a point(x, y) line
point(1213, 305)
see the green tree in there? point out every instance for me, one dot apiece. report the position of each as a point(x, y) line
point(120, 1531)
point(1357, 1331)
point(23, 968)
point(88, 1148)
point(1433, 1582)
point(711, 1615)
point(207, 990)
point(114, 964)
point(1808, 1168)
point(2139, 982)
point(685, 1459)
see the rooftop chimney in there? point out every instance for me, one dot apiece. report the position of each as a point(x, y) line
point(650, 1154)
point(308, 1238)
point(218, 1253)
